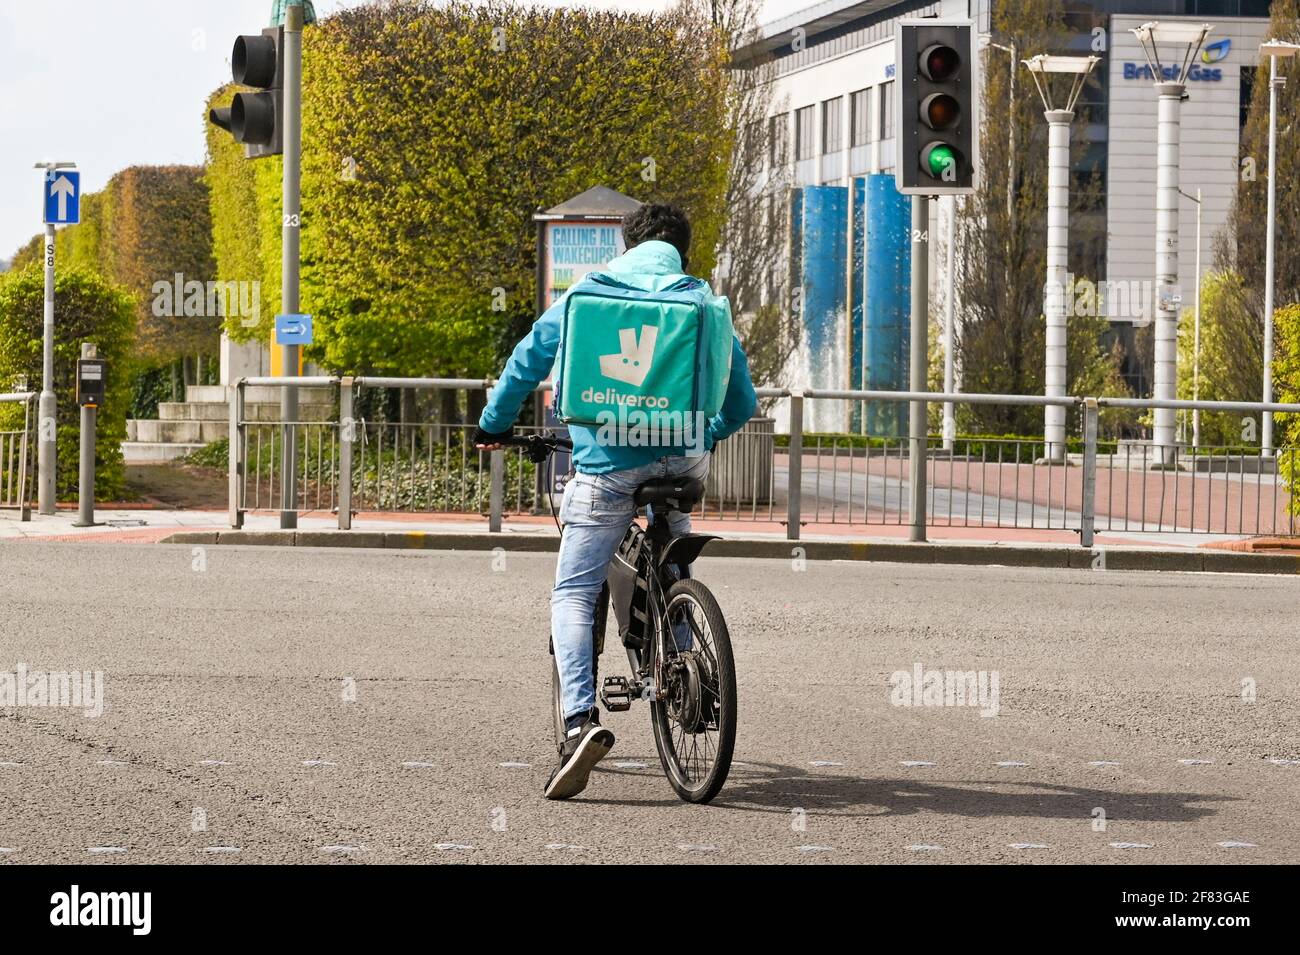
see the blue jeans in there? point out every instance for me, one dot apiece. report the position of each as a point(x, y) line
point(596, 513)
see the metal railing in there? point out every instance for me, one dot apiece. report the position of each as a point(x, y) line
point(15, 457)
point(349, 464)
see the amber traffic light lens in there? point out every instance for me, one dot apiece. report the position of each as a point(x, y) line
point(940, 111)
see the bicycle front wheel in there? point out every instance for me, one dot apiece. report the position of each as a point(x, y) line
point(695, 722)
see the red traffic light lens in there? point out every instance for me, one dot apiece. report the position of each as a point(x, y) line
point(940, 111)
point(940, 63)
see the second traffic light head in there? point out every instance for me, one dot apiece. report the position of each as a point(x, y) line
point(256, 118)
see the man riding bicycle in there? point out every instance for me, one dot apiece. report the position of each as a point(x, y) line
point(598, 507)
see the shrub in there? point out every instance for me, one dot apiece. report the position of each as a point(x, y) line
point(86, 309)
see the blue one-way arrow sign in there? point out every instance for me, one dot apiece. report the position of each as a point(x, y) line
point(62, 197)
point(293, 329)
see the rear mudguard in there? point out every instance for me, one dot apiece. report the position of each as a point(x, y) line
point(683, 550)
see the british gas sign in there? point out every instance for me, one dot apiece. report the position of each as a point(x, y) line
point(1201, 72)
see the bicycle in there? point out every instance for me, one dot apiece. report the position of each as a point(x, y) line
point(675, 635)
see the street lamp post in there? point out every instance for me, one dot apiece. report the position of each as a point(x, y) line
point(1041, 68)
point(1171, 86)
point(1273, 49)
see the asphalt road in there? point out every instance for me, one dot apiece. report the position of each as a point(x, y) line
point(333, 705)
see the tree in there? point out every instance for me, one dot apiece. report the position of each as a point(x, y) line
point(1002, 265)
point(752, 245)
point(433, 132)
point(89, 309)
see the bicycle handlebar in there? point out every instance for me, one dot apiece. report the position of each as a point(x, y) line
point(539, 446)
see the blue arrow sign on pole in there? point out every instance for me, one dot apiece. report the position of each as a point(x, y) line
point(62, 197)
point(293, 330)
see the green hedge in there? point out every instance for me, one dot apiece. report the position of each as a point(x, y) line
point(1286, 383)
point(460, 121)
point(145, 226)
point(86, 308)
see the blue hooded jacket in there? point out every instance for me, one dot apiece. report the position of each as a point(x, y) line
point(653, 266)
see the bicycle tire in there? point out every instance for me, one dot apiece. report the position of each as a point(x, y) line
point(706, 786)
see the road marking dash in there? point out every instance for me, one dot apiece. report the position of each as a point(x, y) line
point(1010, 763)
point(815, 848)
point(565, 845)
point(105, 850)
point(916, 762)
point(1030, 845)
point(632, 764)
point(824, 762)
point(1236, 845)
point(416, 764)
point(924, 847)
point(509, 764)
point(452, 846)
point(1275, 762)
point(213, 762)
point(1197, 762)
point(342, 850)
point(1103, 762)
point(318, 762)
point(218, 849)
point(1130, 845)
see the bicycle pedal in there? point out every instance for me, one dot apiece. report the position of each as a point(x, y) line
point(615, 694)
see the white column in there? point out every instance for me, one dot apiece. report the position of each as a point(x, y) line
point(1055, 290)
point(1266, 432)
point(1166, 306)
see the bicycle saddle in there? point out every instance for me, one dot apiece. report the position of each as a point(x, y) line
point(676, 494)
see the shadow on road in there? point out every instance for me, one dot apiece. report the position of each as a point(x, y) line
point(772, 787)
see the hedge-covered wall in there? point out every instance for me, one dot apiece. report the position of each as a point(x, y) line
point(86, 308)
point(1286, 384)
point(431, 136)
point(146, 225)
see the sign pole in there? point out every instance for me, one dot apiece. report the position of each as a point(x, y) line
point(47, 409)
point(289, 257)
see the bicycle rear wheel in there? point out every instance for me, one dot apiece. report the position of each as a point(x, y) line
point(695, 723)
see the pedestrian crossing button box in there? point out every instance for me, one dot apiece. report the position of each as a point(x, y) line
point(90, 382)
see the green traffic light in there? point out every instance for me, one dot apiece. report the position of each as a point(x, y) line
point(942, 159)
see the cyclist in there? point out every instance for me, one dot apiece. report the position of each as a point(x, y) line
point(597, 507)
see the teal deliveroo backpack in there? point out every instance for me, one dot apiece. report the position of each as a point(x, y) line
point(625, 347)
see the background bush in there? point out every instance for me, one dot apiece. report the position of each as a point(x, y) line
point(86, 308)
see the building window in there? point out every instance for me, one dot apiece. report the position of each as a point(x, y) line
point(778, 140)
point(832, 125)
point(804, 145)
point(860, 117)
point(887, 110)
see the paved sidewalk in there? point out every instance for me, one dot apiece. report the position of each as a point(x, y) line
point(740, 538)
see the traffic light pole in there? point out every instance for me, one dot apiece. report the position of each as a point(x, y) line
point(47, 410)
point(289, 256)
point(919, 367)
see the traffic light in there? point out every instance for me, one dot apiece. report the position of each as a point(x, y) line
point(937, 107)
point(256, 119)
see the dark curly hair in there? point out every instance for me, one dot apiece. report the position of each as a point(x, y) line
point(658, 220)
